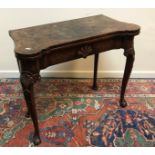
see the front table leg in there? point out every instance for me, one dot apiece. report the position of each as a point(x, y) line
point(27, 80)
point(130, 54)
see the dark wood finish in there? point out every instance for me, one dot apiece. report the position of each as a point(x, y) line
point(27, 82)
point(95, 71)
point(39, 47)
point(130, 54)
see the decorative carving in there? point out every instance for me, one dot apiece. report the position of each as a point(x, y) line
point(85, 51)
point(129, 51)
point(130, 55)
point(27, 81)
point(28, 78)
point(33, 76)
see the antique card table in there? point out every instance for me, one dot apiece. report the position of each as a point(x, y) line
point(41, 46)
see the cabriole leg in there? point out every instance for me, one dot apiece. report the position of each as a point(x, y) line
point(27, 80)
point(130, 56)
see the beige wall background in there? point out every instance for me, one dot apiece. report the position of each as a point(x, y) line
point(111, 64)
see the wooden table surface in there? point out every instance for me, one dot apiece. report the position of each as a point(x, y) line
point(34, 39)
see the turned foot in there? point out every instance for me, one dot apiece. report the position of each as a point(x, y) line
point(123, 103)
point(36, 140)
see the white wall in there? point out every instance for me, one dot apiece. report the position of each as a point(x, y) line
point(111, 64)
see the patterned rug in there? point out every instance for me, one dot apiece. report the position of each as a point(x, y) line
point(72, 114)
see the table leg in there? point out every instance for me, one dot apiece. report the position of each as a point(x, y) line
point(27, 80)
point(27, 113)
point(96, 56)
point(130, 54)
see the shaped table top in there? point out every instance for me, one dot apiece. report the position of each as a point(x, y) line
point(34, 39)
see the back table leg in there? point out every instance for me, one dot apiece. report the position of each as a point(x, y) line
point(95, 71)
point(130, 54)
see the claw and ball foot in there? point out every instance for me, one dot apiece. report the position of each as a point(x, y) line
point(27, 115)
point(123, 103)
point(36, 140)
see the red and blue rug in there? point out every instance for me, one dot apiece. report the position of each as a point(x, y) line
point(72, 114)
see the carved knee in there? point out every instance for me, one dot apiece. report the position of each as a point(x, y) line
point(130, 52)
point(28, 79)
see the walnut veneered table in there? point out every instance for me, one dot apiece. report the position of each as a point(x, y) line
point(41, 46)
